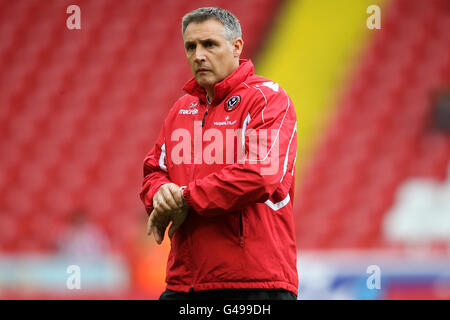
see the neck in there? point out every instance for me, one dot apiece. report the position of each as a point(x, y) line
point(210, 94)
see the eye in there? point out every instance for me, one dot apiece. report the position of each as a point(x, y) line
point(190, 46)
point(209, 44)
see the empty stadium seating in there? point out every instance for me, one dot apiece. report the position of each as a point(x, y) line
point(79, 109)
point(381, 134)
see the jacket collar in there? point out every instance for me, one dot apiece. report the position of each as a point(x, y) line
point(224, 87)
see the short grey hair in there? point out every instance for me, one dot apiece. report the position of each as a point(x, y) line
point(231, 25)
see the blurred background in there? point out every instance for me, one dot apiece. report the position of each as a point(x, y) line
point(79, 110)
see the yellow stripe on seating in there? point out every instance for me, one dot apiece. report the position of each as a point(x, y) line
point(310, 52)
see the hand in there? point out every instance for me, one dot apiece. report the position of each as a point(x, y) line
point(169, 205)
point(157, 223)
point(168, 198)
point(177, 220)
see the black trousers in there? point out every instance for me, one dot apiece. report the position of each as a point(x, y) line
point(230, 294)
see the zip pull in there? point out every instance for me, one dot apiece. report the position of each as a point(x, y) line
point(204, 117)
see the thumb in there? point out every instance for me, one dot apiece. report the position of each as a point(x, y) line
point(172, 229)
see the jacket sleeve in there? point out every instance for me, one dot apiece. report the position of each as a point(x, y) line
point(267, 163)
point(155, 172)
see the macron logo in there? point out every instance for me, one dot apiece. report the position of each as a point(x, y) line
point(190, 111)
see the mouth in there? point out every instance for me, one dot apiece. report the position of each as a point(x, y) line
point(202, 70)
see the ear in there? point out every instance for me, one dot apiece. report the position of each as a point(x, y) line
point(237, 46)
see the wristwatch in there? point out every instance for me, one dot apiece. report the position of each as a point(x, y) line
point(182, 195)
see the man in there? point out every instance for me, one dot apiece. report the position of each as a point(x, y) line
point(222, 173)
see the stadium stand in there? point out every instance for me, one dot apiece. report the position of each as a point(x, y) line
point(381, 135)
point(81, 108)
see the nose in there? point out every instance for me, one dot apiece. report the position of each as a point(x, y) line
point(199, 54)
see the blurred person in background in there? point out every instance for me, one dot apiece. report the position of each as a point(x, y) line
point(232, 232)
point(83, 239)
point(441, 110)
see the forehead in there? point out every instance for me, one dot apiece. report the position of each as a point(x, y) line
point(211, 28)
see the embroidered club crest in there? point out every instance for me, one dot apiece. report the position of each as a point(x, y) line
point(232, 103)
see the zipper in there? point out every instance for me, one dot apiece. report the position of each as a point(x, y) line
point(191, 176)
point(191, 171)
point(241, 229)
point(204, 116)
point(206, 112)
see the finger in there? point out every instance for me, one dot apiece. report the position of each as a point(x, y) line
point(168, 197)
point(172, 229)
point(160, 204)
point(159, 234)
point(176, 194)
point(156, 235)
point(160, 228)
point(150, 222)
point(178, 221)
point(156, 225)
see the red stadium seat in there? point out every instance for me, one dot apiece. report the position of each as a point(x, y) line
point(381, 134)
point(81, 109)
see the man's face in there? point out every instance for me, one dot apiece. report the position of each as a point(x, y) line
point(211, 56)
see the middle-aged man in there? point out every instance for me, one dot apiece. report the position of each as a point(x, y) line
point(222, 173)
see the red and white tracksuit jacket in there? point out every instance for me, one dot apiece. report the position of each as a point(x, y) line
point(239, 232)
